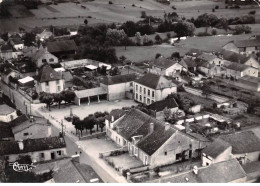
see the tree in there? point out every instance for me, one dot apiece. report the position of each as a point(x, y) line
point(176, 55)
point(85, 21)
point(130, 28)
point(29, 39)
point(115, 71)
point(68, 96)
point(89, 123)
point(158, 55)
point(116, 37)
point(240, 29)
point(75, 121)
point(46, 98)
point(206, 90)
point(206, 20)
point(184, 29)
point(58, 98)
point(143, 14)
point(158, 39)
point(138, 38)
point(4, 36)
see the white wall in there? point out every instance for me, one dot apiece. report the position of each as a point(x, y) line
point(34, 132)
point(9, 117)
point(53, 88)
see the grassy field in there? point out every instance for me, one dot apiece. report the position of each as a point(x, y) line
point(211, 43)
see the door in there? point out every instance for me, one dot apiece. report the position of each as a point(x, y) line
point(52, 156)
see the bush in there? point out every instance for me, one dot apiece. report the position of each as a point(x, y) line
point(201, 34)
point(214, 105)
point(213, 10)
point(133, 5)
point(240, 29)
point(110, 2)
point(217, 7)
point(214, 32)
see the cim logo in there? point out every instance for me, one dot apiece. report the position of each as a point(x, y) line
point(21, 167)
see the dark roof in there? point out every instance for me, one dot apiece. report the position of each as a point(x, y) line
point(155, 81)
point(161, 105)
point(5, 109)
point(17, 121)
point(6, 47)
point(112, 80)
point(5, 131)
point(31, 145)
point(237, 67)
point(116, 113)
point(136, 123)
point(247, 43)
point(17, 41)
point(222, 172)
point(207, 57)
point(216, 148)
point(67, 76)
point(48, 74)
point(187, 62)
point(61, 46)
point(194, 52)
point(163, 62)
point(242, 142)
point(234, 57)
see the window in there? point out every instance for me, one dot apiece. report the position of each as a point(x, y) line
point(58, 88)
point(140, 89)
point(178, 156)
point(25, 134)
point(148, 92)
point(207, 164)
point(51, 60)
point(42, 155)
point(144, 91)
point(59, 152)
point(47, 83)
point(136, 88)
point(131, 84)
point(152, 93)
point(44, 60)
point(140, 98)
point(165, 153)
point(136, 96)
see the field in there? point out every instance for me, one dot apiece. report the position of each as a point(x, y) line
point(211, 43)
point(65, 14)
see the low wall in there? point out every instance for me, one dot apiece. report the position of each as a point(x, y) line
point(214, 97)
point(139, 169)
point(93, 136)
point(108, 153)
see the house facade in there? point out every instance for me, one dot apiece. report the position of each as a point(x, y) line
point(119, 87)
point(237, 70)
point(151, 88)
point(50, 81)
point(153, 142)
point(40, 150)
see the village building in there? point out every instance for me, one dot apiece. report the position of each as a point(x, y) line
point(159, 107)
point(7, 113)
point(194, 53)
point(42, 57)
point(153, 142)
point(40, 149)
point(237, 70)
point(63, 49)
point(30, 128)
point(45, 34)
point(188, 63)
point(165, 67)
point(7, 52)
point(119, 86)
point(6, 133)
point(151, 88)
point(249, 82)
point(48, 80)
point(223, 172)
point(17, 43)
point(247, 46)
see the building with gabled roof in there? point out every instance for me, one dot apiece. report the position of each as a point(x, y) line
point(151, 88)
point(48, 80)
point(62, 49)
point(119, 86)
point(194, 53)
point(237, 70)
point(41, 149)
point(152, 141)
point(7, 113)
point(165, 67)
point(189, 64)
point(223, 172)
point(246, 46)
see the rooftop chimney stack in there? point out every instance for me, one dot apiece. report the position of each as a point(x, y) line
point(20, 144)
point(151, 128)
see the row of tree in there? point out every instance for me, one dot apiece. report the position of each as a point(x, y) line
point(97, 119)
point(50, 98)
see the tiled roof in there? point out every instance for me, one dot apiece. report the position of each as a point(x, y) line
point(247, 43)
point(163, 62)
point(161, 105)
point(5, 109)
point(48, 74)
point(28, 124)
point(112, 80)
point(242, 142)
point(234, 57)
point(38, 54)
point(17, 41)
point(155, 81)
point(17, 121)
point(90, 92)
point(187, 62)
point(5, 131)
point(31, 145)
point(205, 64)
point(222, 172)
point(117, 113)
point(237, 67)
point(61, 46)
point(6, 47)
point(207, 57)
point(216, 148)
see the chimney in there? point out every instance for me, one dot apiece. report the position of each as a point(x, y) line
point(195, 170)
point(167, 126)
point(187, 127)
point(151, 128)
point(20, 144)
